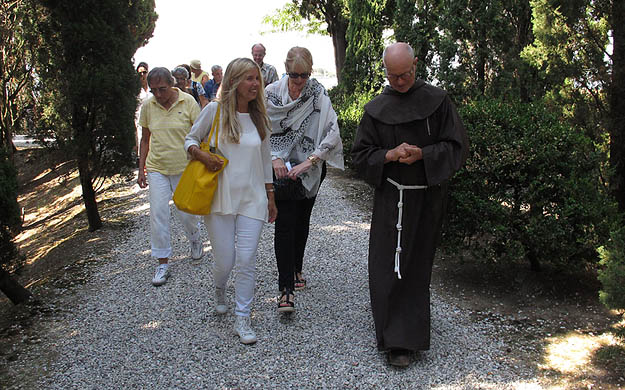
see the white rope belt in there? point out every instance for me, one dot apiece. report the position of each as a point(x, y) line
point(400, 206)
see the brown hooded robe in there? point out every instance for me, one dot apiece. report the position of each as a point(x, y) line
point(426, 117)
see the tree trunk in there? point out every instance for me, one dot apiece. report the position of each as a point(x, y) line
point(339, 41)
point(534, 262)
point(524, 38)
point(617, 105)
point(12, 289)
point(6, 127)
point(481, 73)
point(88, 194)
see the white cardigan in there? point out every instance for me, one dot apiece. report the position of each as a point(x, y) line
point(241, 189)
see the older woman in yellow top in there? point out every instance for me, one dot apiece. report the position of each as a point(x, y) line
point(304, 137)
point(166, 118)
point(244, 200)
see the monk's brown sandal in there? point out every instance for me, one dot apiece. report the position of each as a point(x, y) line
point(399, 358)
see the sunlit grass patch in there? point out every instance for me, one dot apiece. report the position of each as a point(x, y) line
point(579, 359)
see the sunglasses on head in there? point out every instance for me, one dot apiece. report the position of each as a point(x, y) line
point(294, 75)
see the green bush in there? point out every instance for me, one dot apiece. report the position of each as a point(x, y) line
point(10, 217)
point(530, 189)
point(612, 274)
point(349, 110)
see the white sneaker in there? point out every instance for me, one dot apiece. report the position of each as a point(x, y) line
point(197, 249)
point(162, 273)
point(220, 297)
point(244, 330)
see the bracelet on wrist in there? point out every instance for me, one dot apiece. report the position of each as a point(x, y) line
point(269, 189)
point(313, 159)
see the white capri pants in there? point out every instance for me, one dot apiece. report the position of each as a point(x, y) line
point(234, 239)
point(162, 188)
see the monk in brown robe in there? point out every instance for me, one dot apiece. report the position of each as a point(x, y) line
point(410, 141)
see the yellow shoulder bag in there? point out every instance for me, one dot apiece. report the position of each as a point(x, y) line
point(197, 185)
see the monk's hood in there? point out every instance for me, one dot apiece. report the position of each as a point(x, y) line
point(393, 107)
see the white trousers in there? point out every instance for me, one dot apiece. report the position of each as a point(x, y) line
point(234, 239)
point(161, 190)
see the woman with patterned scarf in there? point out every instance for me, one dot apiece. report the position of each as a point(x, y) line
point(304, 137)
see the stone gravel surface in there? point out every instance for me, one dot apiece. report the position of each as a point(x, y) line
point(120, 332)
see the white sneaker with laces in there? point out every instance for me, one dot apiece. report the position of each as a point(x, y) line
point(161, 275)
point(197, 249)
point(220, 297)
point(243, 328)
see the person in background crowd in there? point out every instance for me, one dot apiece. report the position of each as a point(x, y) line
point(212, 86)
point(144, 93)
point(409, 143)
point(304, 136)
point(142, 70)
point(165, 120)
point(184, 83)
point(244, 199)
point(268, 72)
point(197, 74)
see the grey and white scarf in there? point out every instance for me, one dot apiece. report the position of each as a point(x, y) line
point(302, 127)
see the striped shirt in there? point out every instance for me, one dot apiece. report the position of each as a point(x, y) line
point(168, 128)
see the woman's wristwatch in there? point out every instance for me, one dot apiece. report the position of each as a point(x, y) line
point(313, 159)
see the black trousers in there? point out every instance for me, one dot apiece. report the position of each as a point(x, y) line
point(291, 234)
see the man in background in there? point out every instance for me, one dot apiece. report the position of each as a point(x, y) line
point(212, 86)
point(268, 72)
point(197, 74)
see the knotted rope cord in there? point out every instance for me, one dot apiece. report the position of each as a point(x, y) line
point(400, 206)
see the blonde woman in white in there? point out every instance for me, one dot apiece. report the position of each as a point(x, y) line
point(244, 200)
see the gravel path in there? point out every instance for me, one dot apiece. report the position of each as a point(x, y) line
point(122, 333)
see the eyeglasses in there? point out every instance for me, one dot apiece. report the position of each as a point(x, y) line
point(159, 90)
point(294, 75)
point(404, 76)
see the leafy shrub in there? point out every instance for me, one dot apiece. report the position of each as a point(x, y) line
point(612, 274)
point(10, 217)
point(530, 189)
point(349, 109)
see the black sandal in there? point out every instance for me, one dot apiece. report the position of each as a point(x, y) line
point(300, 284)
point(284, 304)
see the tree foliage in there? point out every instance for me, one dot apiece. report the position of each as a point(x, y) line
point(349, 110)
point(16, 58)
point(579, 73)
point(288, 18)
point(617, 104)
point(10, 220)
point(17, 44)
point(570, 52)
point(612, 273)
point(308, 15)
point(475, 55)
point(10, 223)
point(417, 22)
point(363, 68)
point(88, 102)
point(530, 188)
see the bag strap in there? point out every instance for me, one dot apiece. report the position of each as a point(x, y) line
point(215, 129)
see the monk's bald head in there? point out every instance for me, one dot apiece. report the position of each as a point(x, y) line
point(398, 52)
point(400, 64)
